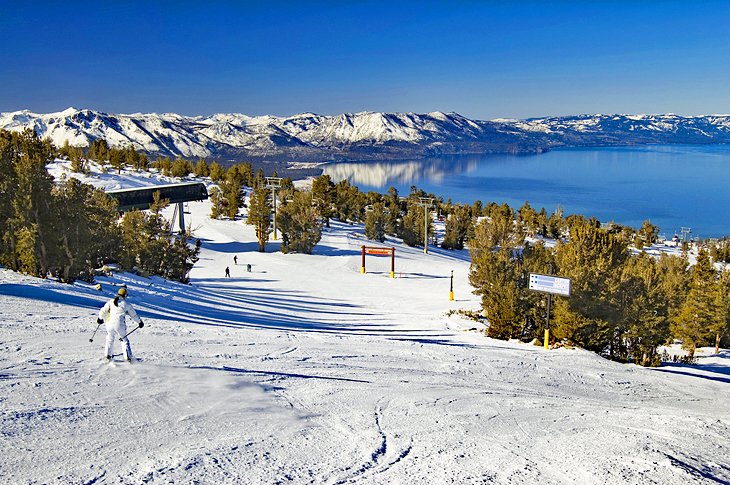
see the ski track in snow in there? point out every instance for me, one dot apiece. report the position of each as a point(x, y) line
point(306, 371)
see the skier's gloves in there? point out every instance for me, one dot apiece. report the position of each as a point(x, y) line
point(141, 324)
point(99, 321)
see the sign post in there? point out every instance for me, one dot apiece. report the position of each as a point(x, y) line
point(552, 285)
point(379, 251)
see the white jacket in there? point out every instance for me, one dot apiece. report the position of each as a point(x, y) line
point(114, 315)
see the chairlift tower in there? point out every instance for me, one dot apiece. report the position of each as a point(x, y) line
point(273, 183)
point(685, 232)
point(426, 203)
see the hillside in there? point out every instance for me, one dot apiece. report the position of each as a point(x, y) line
point(307, 371)
point(359, 136)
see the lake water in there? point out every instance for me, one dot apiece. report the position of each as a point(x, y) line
point(674, 186)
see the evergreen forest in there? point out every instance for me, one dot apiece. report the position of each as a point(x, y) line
point(624, 303)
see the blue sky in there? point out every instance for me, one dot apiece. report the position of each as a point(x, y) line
point(481, 59)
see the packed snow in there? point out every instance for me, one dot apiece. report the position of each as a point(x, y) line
point(305, 370)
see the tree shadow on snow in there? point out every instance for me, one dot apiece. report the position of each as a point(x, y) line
point(324, 250)
point(51, 295)
point(436, 341)
point(424, 275)
point(675, 369)
point(239, 247)
point(236, 307)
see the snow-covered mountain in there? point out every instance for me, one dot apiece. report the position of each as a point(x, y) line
point(358, 136)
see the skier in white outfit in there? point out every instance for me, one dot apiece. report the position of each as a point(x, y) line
point(113, 313)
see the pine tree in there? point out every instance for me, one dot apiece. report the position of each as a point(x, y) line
point(117, 159)
point(674, 282)
point(259, 215)
point(158, 203)
point(217, 203)
point(458, 226)
point(180, 257)
point(232, 191)
point(348, 202)
point(375, 222)
point(201, 168)
point(699, 314)
point(644, 310)
point(216, 172)
point(85, 228)
point(134, 239)
point(498, 229)
point(527, 220)
point(721, 326)
point(8, 180)
point(180, 168)
point(323, 196)
point(299, 223)
point(260, 180)
point(131, 157)
point(77, 161)
point(412, 225)
point(494, 276)
point(99, 150)
point(65, 150)
point(143, 162)
point(647, 235)
point(246, 173)
point(592, 259)
point(27, 233)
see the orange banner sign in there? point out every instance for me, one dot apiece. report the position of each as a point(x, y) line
point(378, 251)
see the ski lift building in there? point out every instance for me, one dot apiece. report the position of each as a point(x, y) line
point(142, 197)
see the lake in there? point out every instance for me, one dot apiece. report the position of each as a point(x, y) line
point(674, 186)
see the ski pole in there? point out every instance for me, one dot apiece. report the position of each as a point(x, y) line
point(94, 334)
point(131, 331)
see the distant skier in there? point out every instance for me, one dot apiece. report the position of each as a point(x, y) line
point(228, 272)
point(235, 259)
point(248, 268)
point(113, 313)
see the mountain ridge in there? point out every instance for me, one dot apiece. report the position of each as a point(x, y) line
point(366, 135)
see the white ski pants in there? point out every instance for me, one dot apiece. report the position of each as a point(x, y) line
point(115, 331)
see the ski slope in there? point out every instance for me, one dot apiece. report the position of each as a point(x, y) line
point(307, 371)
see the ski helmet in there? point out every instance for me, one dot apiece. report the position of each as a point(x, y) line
point(122, 292)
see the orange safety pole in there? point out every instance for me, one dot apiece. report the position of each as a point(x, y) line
point(362, 267)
